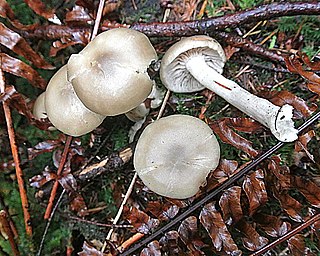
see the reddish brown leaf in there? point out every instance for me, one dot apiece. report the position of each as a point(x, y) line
point(39, 180)
point(225, 169)
point(169, 243)
point(19, 68)
point(8, 93)
point(252, 240)
point(315, 88)
point(42, 147)
point(227, 135)
point(302, 142)
point(230, 205)
point(272, 225)
point(281, 173)
point(242, 124)
point(88, 249)
point(212, 220)
point(58, 46)
point(309, 189)
point(290, 205)
point(141, 221)
point(286, 97)
point(78, 15)
point(153, 249)
point(19, 45)
point(255, 190)
point(40, 8)
point(297, 245)
point(188, 231)
point(163, 211)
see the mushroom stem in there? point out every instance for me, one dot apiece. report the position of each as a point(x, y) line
point(277, 119)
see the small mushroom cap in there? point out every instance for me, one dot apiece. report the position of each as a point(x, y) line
point(65, 110)
point(110, 74)
point(175, 154)
point(39, 108)
point(173, 72)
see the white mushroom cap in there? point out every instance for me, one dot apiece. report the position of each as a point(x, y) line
point(175, 154)
point(173, 73)
point(110, 74)
point(65, 110)
point(39, 108)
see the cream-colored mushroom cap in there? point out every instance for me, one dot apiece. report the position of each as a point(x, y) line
point(110, 74)
point(175, 154)
point(65, 110)
point(173, 72)
point(39, 108)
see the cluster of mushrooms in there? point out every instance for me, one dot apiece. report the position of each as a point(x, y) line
point(109, 77)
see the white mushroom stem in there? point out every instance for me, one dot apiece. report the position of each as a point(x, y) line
point(277, 119)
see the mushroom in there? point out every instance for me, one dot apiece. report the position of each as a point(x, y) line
point(65, 110)
point(175, 154)
point(39, 109)
point(110, 74)
point(196, 62)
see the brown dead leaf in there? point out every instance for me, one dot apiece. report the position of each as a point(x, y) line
point(8, 93)
point(302, 143)
point(188, 231)
point(227, 135)
point(243, 124)
point(297, 245)
point(39, 180)
point(89, 250)
point(255, 189)
point(162, 211)
point(153, 249)
point(19, 68)
point(169, 243)
point(272, 225)
point(280, 172)
point(285, 97)
point(19, 45)
point(252, 240)
point(308, 189)
point(315, 88)
point(230, 205)
point(78, 15)
point(44, 146)
point(40, 8)
point(140, 220)
point(212, 221)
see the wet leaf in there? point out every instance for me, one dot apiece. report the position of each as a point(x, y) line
point(19, 45)
point(308, 189)
point(212, 220)
point(272, 225)
point(254, 187)
point(290, 205)
point(230, 205)
point(242, 124)
point(153, 249)
point(42, 147)
point(141, 221)
point(285, 97)
point(40, 8)
point(302, 143)
point(297, 245)
point(252, 240)
point(188, 232)
point(78, 15)
point(163, 211)
point(19, 68)
point(39, 180)
point(315, 88)
point(225, 169)
point(88, 249)
point(7, 94)
point(280, 172)
point(169, 243)
point(227, 135)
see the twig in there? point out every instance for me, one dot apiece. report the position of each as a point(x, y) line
point(12, 226)
point(97, 223)
point(49, 222)
point(132, 240)
point(98, 19)
point(287, 235)
point(6, 227)
point(15, 154)
point(219, 189)
point(56, 183)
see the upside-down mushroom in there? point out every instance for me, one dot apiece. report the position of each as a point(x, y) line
point(196, 62)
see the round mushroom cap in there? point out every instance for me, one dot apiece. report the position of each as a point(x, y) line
point(65, 110)
point(175, 154)
point(173, 72)
point(110, 74)
point(39, 108)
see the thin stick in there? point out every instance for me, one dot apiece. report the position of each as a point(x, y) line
point(163, 105)
point(287, 235)
point(56, 183)
point(126, 244)
point(15, 154)
point(97, 20)
point(6, 226)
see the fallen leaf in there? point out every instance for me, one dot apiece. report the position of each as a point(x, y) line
point(272, 225)
point(41, 9)
point(89, 250)
point(169, 243)
point(8, 93)
point(280, 172)
point(19, 68)
point(153, 249)
point(39, 180)
point(252, 240)
point(212, 221)
point(162, 211)
point(308, 189)
point(140, 220)
point(255, 189)
point(302, 143)
point(297, 245)
point(230, 205)
point(78, 15)
point(42, 147)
